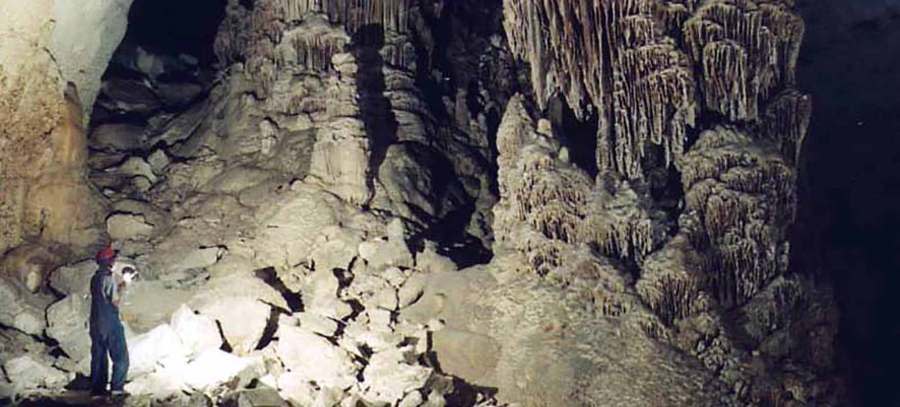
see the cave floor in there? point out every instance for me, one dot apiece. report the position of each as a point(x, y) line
point(77, 398)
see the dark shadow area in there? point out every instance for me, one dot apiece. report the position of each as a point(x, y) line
point(375, 108)
point(176, 27)
point(269, 276)
point(579, 136)
point(849, 212)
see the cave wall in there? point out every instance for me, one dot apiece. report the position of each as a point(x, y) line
point(53, 54)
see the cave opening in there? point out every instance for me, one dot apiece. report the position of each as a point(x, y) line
point(164, 63)
point(164, 67)
point(579, 135)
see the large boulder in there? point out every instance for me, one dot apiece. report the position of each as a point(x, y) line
point(242, 304)
point(289, 230)
point(466, 354)
point(381, 254)
point(6, 389)
point(320, 296)
point(122, 137)
point(74, 278)
point(22, 309)
point(214, 368)
point(197, 332)
point(337, 250)
point(160, 346)
point(127, 227)
point(27, 374)
point(160, 384)
point(389, 376)
point(297, 389)
point(68, 324)
point(313, 358)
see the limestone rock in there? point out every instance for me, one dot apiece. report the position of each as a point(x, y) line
point(197, 332)
point(410, 176)
point(157, 347)
point(160, 384)
point(380, 254)
point(411, 290)
point(238, 178)
point(6, 389)
point(128, 95)
point(412, 399)
point(68, 324)
point(291, 228)
point(466, 354)
point(195, 259)
point(214, 368)
point(75, 278)
point(22, 309)
point(388, 377)
point(317, 324)
point(313, 358)
point(127, 227)
point(430, 261)
point(260, 397)
point(136, 167)
point(296, 388)
point(340, 248)
point(320, 296)
point(117, 137)
point(178, 94)
point(243, 321)
point(158, 161)
point(26, 373)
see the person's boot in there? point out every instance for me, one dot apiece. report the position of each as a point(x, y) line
point(99, 393)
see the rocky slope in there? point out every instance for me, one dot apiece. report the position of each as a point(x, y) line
point(377, 202)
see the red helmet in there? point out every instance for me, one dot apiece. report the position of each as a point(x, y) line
point(106, 255)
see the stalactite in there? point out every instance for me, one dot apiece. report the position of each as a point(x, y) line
point(286, 31)
point(673, 13)
point(786, 122)
point(745, 51)
point(610, 56)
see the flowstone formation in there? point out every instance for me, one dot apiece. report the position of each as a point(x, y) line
point(429, 203)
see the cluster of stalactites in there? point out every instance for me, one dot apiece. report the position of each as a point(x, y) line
point(549, 206)
point(608, 55)
point(673, 281)
point(389, 15)
point(310, 47)
point(673, 13)
point(745, 52)
point(744, 196)
point(274, 34)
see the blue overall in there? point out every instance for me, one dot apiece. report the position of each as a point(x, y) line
point(107, 333)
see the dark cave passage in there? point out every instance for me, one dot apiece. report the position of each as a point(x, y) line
point(849, 208)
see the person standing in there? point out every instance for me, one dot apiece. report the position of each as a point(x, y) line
point(106, 330)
